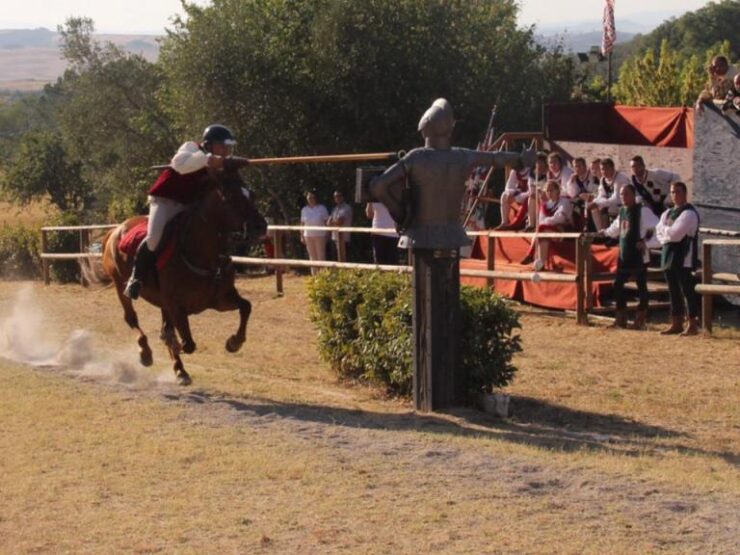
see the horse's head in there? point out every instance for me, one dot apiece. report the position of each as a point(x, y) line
point(241, 207)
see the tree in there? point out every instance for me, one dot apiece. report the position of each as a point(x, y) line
point(43, 168)
point(339, 76)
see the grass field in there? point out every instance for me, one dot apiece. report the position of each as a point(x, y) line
point(619, 442)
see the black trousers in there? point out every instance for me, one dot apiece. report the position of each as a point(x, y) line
point(681, 288)
point(642, 291)
point(385, 250)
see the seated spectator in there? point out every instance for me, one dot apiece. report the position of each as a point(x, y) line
point(607, 201)
point(515, 196)
point(678, 232)
point(314, 214)
point(536, 184)
point(580, 190)
point(721, 76)
point(732, 100)
point(385, 250)
point(555, 215)
point(557, 171)
point(341, 216)
point(635, 228)
point(652, 186)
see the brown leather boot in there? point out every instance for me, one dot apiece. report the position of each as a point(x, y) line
point(640, 319)
point(620, 320)
point(692, 327)
point(676, 326)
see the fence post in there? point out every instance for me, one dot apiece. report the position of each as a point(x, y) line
point(706, 278)
point(588, 282)
point(341, 248)
point(84, 246)
point(277, 237)
point(45, 261)
point(491, 261)
point(581, 316)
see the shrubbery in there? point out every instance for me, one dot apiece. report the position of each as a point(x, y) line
point(19, 253)
point(65, 271)
point(364, 321)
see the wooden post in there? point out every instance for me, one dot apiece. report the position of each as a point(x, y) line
point(436, 298)
point(491, 261)
point(706, 278)
point(341, 248)
point(581, 316)
point(277, 238)
point(84, 247)
point(588, 279)
point(45, 261)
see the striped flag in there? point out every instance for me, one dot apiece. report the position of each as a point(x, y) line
point(610, 33)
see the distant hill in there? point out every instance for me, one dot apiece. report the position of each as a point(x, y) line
point(30, 58)
point(581, 42)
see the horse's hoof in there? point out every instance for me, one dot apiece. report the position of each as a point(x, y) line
point(183, 378)
point(188, 347)
point(146, 358)
point(233, 344)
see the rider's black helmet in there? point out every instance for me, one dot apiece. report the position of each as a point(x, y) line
point(217, 133)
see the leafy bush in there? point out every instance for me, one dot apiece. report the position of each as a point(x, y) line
point(364, 323)
point(19, 253)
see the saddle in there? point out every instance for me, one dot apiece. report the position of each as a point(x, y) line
point(131, 240)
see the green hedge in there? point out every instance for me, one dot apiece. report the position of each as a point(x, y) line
point(19, 253)
point(364, 323)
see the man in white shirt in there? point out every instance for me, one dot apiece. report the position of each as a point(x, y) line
point(608, 199)
point(678, 232)
point(635, 229)
point(515, 195)
point(314, 214)
point(341, 216)
point(385, 250)
point(580, 190)
point(652, 185)
point(536, 185)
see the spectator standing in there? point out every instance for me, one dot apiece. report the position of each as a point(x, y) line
point(635, 228)
point(608, 199)
point(314, 214)
point(341, 216)
point(721, 76)
point(385, 250)
point(678, 232)
point(652, 186)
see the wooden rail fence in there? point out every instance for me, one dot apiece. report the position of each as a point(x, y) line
point(583, 276)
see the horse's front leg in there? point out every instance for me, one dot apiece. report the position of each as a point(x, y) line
point(182, 324)
point(231, 300)
point(132, 319)
point(173, 346)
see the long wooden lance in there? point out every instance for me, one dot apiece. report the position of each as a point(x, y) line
point(326, 158)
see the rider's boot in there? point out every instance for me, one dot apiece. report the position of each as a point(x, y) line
point(142, 261)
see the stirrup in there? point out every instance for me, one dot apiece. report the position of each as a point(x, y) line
point(133, 288)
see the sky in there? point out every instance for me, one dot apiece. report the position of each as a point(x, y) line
point(152, 16)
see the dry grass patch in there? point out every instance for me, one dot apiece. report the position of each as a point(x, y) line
point(268, 452)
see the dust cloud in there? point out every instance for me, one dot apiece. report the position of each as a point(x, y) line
point(25, 338)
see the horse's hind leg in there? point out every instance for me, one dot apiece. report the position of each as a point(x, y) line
point(132, 319)
point(173, 347)
point(233, 301)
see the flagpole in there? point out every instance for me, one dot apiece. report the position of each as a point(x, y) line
point(609, 78)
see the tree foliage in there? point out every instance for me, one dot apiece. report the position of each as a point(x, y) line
point(339, 76)
point(665, 78)
point(42, 167)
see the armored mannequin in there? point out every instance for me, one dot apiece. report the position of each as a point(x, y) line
point(436, 175)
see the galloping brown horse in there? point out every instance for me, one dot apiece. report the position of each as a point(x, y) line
point(199, 275)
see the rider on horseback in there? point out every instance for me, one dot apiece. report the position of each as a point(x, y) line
point(177, 186)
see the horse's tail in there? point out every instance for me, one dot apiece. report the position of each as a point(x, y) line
point(93, 269)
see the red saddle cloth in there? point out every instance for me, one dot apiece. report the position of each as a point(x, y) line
point(136, 234)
